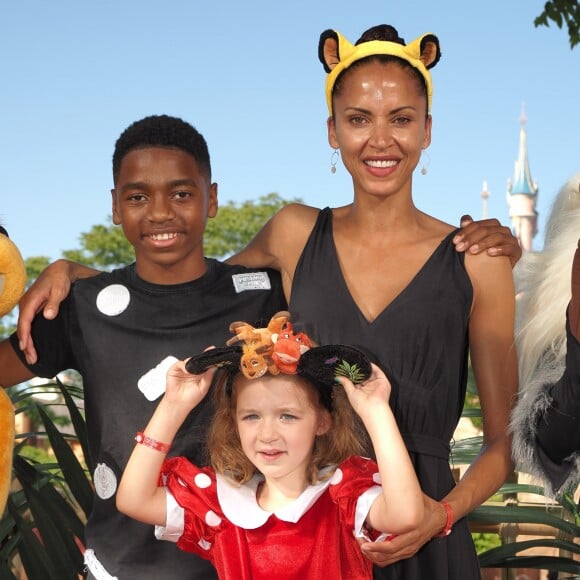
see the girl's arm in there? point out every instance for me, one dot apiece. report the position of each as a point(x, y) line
point(494, 362)
point(139, 495)
point(400, 506)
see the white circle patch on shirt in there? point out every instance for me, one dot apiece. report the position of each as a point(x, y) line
point(113, 299)
point(105, 481)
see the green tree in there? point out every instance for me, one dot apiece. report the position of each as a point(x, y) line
point(236, 224)
point(562, 12)
point(34, 266)
point(104, 247)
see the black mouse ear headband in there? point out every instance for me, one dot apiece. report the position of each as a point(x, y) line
point(336, 54)
point(320, 365)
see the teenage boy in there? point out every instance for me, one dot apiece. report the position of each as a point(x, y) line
point(120, 330)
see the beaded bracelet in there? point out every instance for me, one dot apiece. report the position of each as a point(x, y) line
point(143, 439)
point(448, 522)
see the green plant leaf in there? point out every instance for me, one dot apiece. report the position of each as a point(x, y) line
point(34, 558)
point(554, 563)
point(34, 481)
point(522, 514)
point(77, 419)
point(72, 470)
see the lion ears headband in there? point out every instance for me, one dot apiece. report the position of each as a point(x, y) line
point(336, 54)
point(278, 349)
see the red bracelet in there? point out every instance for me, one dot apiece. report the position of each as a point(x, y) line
point(448, 522)
point(152, 443)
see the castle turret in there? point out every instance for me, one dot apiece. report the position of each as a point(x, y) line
point(522, 194)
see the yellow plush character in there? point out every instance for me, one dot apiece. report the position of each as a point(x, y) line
point(12, 283)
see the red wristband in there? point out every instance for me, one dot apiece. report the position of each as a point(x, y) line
point(143, 439)
point(448, 522)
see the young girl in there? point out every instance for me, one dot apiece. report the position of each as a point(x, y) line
point(287, 494)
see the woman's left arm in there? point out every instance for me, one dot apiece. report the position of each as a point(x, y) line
point(494, 363)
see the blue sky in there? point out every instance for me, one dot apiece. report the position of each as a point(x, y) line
point(247, 75)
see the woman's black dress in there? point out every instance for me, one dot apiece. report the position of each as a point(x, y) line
point(421, 342)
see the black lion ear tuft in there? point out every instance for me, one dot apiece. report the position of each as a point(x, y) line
point(328, 50)
point(227, 357)
point(322, 364)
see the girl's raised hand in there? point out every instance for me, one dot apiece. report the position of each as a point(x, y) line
point(184, 388)
point(370, 395)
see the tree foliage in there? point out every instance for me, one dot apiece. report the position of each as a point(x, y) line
point(34, 266)
point(236, 224)
point(562, 12)
point(104, 247)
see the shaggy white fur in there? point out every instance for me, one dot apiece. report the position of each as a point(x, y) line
point(544, 290)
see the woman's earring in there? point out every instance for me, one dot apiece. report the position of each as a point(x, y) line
point(334, 161)
point(426, 162)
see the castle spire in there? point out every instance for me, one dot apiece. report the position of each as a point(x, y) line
point(522, 193)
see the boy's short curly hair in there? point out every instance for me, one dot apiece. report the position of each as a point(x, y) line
point(162, 131)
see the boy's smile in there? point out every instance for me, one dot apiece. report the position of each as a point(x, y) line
point(162, 201)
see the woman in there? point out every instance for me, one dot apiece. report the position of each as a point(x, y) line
point(386, 277)
point(545, 420)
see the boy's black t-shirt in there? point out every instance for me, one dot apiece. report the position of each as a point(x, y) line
point(114, 329)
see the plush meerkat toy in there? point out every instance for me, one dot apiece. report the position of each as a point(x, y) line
point(12, 283)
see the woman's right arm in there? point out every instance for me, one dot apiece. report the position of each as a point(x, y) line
point(280, 242)
point(46, 294)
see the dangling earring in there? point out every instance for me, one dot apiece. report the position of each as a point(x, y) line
point(334, 161)
point(425, 162)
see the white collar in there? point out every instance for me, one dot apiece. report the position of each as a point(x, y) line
point(239, 503)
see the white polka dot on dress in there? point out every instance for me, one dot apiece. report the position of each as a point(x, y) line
point(337, 477)
point(204, 544)
point(202, 480)
point(377, 478)
point(212, 519)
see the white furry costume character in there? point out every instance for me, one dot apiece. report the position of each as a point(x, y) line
point(549, 378)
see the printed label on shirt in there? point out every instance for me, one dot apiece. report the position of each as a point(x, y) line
point(251, 281)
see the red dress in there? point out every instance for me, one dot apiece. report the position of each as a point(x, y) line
point(311, 538)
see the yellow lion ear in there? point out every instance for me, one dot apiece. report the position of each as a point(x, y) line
point(332, 48)
point(328, 50)
point(428, 49)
